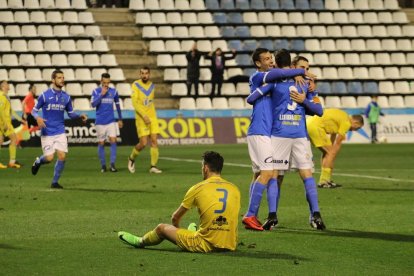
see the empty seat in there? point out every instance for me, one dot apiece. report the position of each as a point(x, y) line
point(370, 87)
point(402, 87)
point(74, 89)
point(87, 88)
point(84, 45)
point(236, 103)
point(21, 17)
point(10, 60)
point(59, 60)
point(45, 31)
point(124, 89)
point(17, 75)
point(396, 102)
point(187, 103)
point(332, 102)
point(86, 18)
point(12, 31)
point(354, 87)
point(29, 31)
point(407, 72)
point(171, 74)
point(97, 73)
point(386, 87)
point(324, 87)
point(363, 101)
point(76, 30)
point(329, 73)
point(189, 18)
point(92, 31)
point(339, 87)
point(220, 103)
point(392, 72)
point(70, 17)
point(203, 103)
point(100, 45)
point(409, 101)
point(376, 73)
point(27, 60)
point(75, 59)
point(61, 30)
point(91, 59)
point(242, 88)
point(43, 60)
point(179, 89)
point(68, 45)
point(383, 101)
point(81, 104)
point(108, 60)
point(83, 74)
point(19, 45)
point(53, 17)
point(348, 102)
point(116, 74)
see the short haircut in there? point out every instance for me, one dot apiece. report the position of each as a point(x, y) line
point(31, 85)
point(282, 58)
point(105, 76)
point(146, 68)
point(214, 161)
point(54, 73)
point(297, 59)
point(256, 54)
point(359, 119)
point(3, 81)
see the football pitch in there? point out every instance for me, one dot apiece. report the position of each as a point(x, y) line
point(370, 220)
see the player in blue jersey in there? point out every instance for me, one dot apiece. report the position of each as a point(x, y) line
point(103, 99)
point(258, 136)
point(54, 102)
point(289, 135)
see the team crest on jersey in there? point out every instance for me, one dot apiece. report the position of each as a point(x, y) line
point(220, 221)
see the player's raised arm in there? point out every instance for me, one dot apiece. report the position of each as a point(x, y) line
point(258, 93)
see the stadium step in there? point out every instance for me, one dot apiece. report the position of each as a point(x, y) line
point(125, 42)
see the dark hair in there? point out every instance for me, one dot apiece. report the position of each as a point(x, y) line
point(105, 76)
point(31, 85)
point(359, 119)
point(146, 68)
point(3, 81)
point(297, 59)
point(256, 54)
point(54, 73)
point(282, 58)
point(213, 160)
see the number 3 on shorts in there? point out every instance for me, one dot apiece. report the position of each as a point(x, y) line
point(222, 199)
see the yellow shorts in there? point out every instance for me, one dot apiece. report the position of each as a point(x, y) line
point(8, 132)
point(317, 135)
point(144, 129)
point(189, 241)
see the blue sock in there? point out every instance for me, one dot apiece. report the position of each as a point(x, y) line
point(113, 153)
point(59, 166)
point(255, 198)
point(101, 154)
point(42, 160)
point(311, 194)
point(278, 197)
point(272, 192)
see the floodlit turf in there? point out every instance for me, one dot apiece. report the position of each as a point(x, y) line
point(370, 220)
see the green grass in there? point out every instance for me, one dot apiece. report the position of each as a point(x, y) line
point(370, 221)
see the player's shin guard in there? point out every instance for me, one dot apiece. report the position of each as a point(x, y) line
point(272, 191)
point(59, 166)
point(151, 238)
point(101, 154)
point(255, 199)
point(113, 153)
point(154, 156)
point(311, 194)
point(325, 175)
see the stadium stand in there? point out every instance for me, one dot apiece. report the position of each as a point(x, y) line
point(39, 36)
point(357, 47)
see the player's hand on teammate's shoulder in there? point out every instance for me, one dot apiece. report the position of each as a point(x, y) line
point(297, 97)
point(310, 75)
point(312, 85)
point(120, 124)
point(299, 81)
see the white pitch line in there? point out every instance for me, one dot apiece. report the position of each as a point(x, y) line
point(340, 174)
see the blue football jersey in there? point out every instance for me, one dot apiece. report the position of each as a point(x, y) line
point(289, 119)
point(261, 118)
point(53, 104)
point(104, 105)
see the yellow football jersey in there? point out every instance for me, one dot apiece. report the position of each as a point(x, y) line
point(143, 98)
point(218, 204)
point(333, 121)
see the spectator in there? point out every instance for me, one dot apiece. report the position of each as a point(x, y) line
point(193, 69)
point(218, 63)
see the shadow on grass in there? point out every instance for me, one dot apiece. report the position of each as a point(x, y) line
point(111, 190)
point(9, 246)
point(240, 252)
point(349, 233)
point(383, 189)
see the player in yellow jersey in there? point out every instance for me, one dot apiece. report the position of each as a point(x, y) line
point(327, 134)
point(146, 120)
point(218, 203)
point(6, 127)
